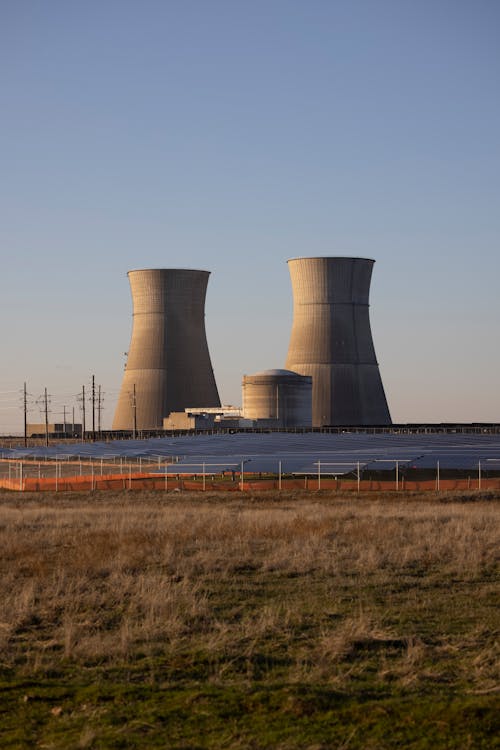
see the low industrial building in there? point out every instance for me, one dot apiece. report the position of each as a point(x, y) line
point(272, 399)
point(54, 430)
point(184, 420)
point(206, 418)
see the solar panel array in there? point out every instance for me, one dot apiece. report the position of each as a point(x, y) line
point(298, 452)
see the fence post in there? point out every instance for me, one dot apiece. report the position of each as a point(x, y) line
point(319, 474)
point(279, 475)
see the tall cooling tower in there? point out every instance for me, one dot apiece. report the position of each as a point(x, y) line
point(331, 340)
point(168, 364)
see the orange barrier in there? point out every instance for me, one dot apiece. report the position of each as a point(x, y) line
point(142, 481)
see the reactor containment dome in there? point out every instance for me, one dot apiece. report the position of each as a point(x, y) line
point(281, 397)
point(168, 365)
point(331, 340)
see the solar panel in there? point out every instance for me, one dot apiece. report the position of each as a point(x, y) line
point(298, 452)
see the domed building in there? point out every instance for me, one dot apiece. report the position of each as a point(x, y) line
point(278, 398)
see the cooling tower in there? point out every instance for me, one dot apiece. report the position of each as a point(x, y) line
point(331, 340)
point(168, 364)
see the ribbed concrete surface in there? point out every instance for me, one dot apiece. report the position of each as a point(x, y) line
point(168, 359)
point(331, 340)
point(279, 395)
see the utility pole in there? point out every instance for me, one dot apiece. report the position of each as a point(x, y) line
point(93, 408)
point(25, 404)
point(46, 419)
point(134, 409)
point(83, 413)
point(99, 408)
point(73, 421)
point(64, 421)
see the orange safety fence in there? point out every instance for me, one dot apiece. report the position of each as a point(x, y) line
point(142, 481)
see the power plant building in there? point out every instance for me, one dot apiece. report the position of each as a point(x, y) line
point(206, 418)
point(278, 398)
point(331, 340)
point(54, 430)
point(168, 365)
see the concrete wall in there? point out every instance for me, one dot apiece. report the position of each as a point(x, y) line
point(58, 428)
point(281, 397)
point(168, 359)
point(181, 420)
point(331, 340)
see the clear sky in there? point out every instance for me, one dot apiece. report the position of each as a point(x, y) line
point(231, 136)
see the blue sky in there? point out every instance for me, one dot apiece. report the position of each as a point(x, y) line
point(232, 136)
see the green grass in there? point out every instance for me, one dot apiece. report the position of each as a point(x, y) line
point(113, 713)
point(287, 621)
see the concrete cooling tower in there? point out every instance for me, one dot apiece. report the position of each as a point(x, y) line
point(331, 340)
point(168, 365)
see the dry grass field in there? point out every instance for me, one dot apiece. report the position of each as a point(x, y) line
point(320, 620)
